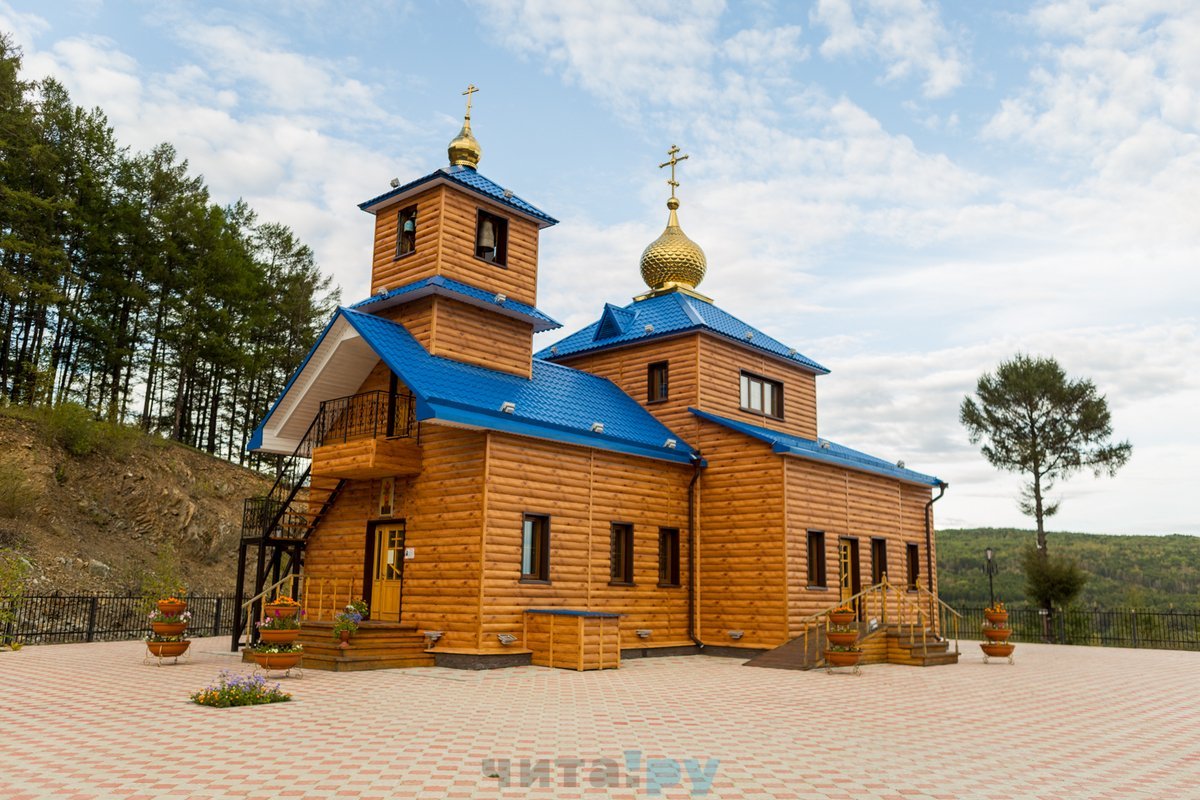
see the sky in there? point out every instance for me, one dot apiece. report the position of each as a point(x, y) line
point(908, 192)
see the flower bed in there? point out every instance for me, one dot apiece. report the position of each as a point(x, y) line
point(239, 690)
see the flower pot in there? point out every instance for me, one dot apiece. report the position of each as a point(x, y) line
point(276, 660)
point(343, 639)
point(842, 638)
point(167, 649)
point(998, 649)
point(996, 617)
point(281, 636)
point(841, 617)
point(997, 634)
point(842, 658)
point(168, 628)
point(170, 608)
point(283, 611)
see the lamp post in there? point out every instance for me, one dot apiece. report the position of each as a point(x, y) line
point(990, 569)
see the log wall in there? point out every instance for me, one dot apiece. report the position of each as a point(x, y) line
point(484, 338)
point(721, 364)
point(389, 271)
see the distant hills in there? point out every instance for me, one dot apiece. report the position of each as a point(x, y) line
point(1151, 572)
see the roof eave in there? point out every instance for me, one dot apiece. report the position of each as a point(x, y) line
point(402, 193)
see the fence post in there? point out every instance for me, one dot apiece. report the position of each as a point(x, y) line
point(1062, 626)
point(217, 619)
point(91, 626)
point(1133, 615)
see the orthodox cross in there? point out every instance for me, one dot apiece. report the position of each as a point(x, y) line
point(470, 91)
point(673, 152)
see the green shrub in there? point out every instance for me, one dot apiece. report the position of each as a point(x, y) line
point(14, 572)
point(71, 426)
point(17, 496)
point(1053, 581)
point(239, 690)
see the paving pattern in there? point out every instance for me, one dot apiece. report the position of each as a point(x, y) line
point(86, 721)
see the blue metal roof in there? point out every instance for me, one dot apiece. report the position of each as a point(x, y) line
point(821, 450)
point(441, 285)
point(668, 314)
point(468, 178)
point(557, 403)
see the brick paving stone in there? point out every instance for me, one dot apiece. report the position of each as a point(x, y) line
point(92, 721)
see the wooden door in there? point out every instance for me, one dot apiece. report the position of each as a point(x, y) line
point(387, 578)
point(849, 578)
point(879, 566)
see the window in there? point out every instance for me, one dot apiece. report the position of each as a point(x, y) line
point(914, 565)
point(406, 231)
point(656, 382)
point(762, 395)
point(668, 556)
point(622, 553)
point(491, 238)
point(816, 559)
point(878, 560)
point(535, 548)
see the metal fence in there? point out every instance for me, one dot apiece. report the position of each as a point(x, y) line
point(50, 619)
point(1118, 627)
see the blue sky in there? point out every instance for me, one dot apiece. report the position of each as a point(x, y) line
point(906, 191)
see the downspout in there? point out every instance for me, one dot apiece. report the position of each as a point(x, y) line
point(929, 536)
point(696, 466)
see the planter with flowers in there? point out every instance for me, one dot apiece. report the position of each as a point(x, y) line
point(281, 606)
point(997, 633)
point(842, 615)
point(171, 606)
point(837, 655)
point(283, 657)
point(168, 622)
point(160, 647)
point(346, 623)
point(279, 630)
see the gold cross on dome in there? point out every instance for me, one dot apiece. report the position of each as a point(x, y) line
point(673, 152)
point(470, 91)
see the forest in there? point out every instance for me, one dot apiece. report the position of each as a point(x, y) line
point(1143, 572)
point(125, 289)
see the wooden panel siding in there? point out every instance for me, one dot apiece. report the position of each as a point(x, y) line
point(627, 368)
point(416, 317)
point(517, 279)
point(388, 271)
point(844, 502)
point(481, 337)
point(741, 541)
point(721, 365)
point(582, 492)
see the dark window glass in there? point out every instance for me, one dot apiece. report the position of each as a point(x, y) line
point(622, 552)
point(878, 561)
point(535, 548)
point(761, 395)
point(914, 565)
point(406, 231)
point(816, 558)
point(656, 382)
point(668, 556)
point(491, 238)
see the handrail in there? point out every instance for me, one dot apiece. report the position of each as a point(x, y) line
point(882, 590)
point(248, 606)
point(956, 617)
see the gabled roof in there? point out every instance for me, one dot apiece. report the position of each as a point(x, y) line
point(821, 450)
point(448, 287)
point(665, 315)
point(557, 403)
point(463, 178)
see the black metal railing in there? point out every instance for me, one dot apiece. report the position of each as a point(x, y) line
point(1115, 627)
point(365, 416)
point(54, 619)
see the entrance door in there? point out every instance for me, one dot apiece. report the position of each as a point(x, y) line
point(388, 576)
point(849, 579)
point(878, 561)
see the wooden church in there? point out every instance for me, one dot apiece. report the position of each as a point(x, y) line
point(653, 483)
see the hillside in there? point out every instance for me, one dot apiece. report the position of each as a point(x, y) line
point(134, 504)
point(1153, 572)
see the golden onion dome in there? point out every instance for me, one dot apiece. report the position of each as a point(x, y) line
point(464, 150)
point(673, 260)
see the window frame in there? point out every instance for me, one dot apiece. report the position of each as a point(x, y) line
point(818, 575)
point(409, 212)
point(541, 541)
point(912, 555)
point(621, 574)
point(879, 565)
point(745, 380)
point(664, 386)
point(501, 225)
point(668, 558)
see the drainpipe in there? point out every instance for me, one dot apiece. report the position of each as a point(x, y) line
point(929, 536)
point(696, 462)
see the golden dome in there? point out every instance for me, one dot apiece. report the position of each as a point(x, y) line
point(673, 260)
point(464, 150)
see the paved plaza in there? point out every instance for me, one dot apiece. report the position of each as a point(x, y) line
point(89, 721)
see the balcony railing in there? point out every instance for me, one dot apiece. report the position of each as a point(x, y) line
point(369, 415)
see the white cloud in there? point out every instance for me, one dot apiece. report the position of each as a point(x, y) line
point(24, 27)
point(906, 35)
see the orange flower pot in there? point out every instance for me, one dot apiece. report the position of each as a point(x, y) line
point(171, 609)
point(284, 636)
point(841, 617)
point(272, 610)
point(277, 660)
point(167, 649)
point(998, 649)
point(168, 628)
point(842, 638)
point(996, 617)
point(842, 658)
point(997, 634)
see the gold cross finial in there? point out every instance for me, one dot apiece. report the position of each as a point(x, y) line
point(673, 152)
point(470, 91)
